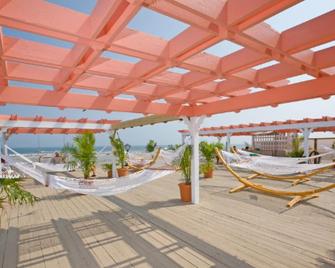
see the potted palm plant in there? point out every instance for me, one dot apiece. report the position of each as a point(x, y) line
point(208, 152)
point(109, 169)
point(120, 152)
point(185, 166)
point(82, 153)
point(151, 145)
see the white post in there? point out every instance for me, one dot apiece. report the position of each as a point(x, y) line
point(306, 132)
point(6, 137)
point(183, 137)
point(1, 151)
point(193, 124)
point(114, 173)
point(228, 136)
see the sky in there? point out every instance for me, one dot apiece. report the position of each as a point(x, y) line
point(166, 28)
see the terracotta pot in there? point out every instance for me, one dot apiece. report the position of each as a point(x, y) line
point(208, 174)
point(121, 172)
point(185, 192)
point(109, 174)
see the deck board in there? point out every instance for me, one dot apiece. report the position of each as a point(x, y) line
point(150, 227)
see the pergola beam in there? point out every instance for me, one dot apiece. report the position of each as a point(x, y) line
point(300, 91)
point(37, 97)
point(143, 121)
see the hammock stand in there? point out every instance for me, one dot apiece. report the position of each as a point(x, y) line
point(246, 183)
point(147, 165)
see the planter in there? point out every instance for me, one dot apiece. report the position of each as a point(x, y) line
point(185, 192)
point(121, 172)
point(109, 174)
point(208, 174)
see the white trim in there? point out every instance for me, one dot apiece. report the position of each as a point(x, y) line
point(51, 124)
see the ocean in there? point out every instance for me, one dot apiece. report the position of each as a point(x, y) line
point(35, 150)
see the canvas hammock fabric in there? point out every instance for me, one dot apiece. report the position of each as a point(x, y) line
point(270, 166)
point(283, 160)
point(107, 187)
point(165, 164)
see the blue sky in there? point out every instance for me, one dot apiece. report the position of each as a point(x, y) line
point(167, 28)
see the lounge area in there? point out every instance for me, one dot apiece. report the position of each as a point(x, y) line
point(142, 228)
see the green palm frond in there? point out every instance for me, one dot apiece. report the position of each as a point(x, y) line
point(12, 192)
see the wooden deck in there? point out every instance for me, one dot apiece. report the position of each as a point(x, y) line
point(150, 227)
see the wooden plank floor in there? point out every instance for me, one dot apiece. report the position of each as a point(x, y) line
point(150, 227)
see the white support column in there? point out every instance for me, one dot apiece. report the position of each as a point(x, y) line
point(3, 149)
point(193, 124)
point(219, 139)
point(6, 137)
point(183, 137)
point(306, 133)
point(228, 136)
point(114, 173)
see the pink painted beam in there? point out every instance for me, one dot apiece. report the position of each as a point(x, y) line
point(3, 67)
point(296, 92)
point(29, 96)
point(243, 14)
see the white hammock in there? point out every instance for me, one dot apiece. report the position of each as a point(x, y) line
point(47, 167)
point(139, 158)
point(164, 165)
point(269, 166)
point(284, 160)
point(107, 187)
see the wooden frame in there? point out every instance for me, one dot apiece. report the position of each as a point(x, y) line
point(297, 195)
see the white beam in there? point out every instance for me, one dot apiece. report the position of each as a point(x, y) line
point(193, 124)
point(51, 124)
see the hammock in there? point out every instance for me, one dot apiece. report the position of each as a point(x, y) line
point(165, 164)
point(283, 160)
point(269, 166)
point(140, 161)
point(47, 167)
point(107, 187)
point(246, 183)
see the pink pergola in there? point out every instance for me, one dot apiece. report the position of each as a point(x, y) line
point(306, 126)
point(212, 84)
point(156, 90)
point(323, 124)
